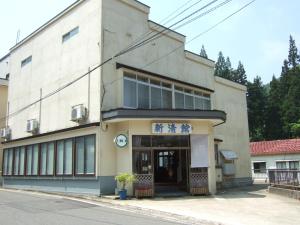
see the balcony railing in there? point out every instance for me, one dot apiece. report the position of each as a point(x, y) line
point(287, 178)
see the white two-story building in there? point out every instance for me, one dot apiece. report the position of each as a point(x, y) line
point(160, 115)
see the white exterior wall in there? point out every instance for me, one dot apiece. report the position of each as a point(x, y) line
point(272, 159)
point(122, 24)
point(112, 25)
point(4, 66)
point(231, 98)
point(53, 65)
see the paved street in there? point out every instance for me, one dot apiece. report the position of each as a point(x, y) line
point(35, 209)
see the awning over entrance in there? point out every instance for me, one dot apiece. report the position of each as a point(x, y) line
point(118, 115)
point(229, 154)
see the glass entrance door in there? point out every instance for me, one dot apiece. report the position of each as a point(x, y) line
point(166, 166)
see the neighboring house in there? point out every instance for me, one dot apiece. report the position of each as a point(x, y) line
point(4, 75)
point(279, 154)
point(172, 122)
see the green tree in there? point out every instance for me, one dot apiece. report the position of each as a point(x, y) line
point(220, 65)
point(203, 52)
point(291, 102)
point(239, 75)
point(293, 57)
point(273, 121)
point(228, 69)
point(295, 129)
point(256, 99)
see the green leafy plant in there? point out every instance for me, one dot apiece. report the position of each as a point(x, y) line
point(124, 179)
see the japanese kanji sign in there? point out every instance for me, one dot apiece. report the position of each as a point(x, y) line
point(171, 128)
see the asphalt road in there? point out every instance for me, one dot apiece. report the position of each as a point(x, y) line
point(22, 208)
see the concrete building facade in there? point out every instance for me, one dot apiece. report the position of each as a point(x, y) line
point(166, 119)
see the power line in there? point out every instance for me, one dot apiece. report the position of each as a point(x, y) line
point(166, 29)
point(106, 61)
point(193, 39)
point(157, 26)
point(202, 33)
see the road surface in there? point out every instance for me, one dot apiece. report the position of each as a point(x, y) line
point(25, 208)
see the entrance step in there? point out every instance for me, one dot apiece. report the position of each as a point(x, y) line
point(169, 191)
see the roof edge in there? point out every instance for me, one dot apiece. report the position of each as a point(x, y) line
point(48, 23)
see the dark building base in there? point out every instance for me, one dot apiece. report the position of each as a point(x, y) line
point(103, 185)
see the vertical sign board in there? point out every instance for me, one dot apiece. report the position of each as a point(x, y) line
point(199, 151)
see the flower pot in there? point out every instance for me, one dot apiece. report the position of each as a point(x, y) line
point(123, 194)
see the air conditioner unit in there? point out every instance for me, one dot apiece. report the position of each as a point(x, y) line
point(79, 113)
point(5, 133)
point(32, 126)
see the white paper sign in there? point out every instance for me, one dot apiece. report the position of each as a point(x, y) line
point(199, 151)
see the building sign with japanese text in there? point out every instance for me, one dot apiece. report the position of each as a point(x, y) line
point(171, 128)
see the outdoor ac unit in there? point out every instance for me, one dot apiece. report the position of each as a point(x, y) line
point(79, 113)
point(32, 126)
point(5, 133)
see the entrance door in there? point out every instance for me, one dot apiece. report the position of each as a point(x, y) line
point(166, 164)
point(170, 170)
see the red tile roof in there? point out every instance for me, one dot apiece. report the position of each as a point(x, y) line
point(290, 146)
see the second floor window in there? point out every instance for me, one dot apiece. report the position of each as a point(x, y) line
point(26, 61)
point(141, 92)
point(70, 34)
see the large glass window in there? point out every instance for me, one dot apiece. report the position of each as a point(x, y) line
point(143, 96)
point(39, 159)
point(281, 165)
point(64, 161)
point(16, 161)
point(166, 99)
point(130, 93)
point(5, 161)
point(85, 155)
point(22, 161)
point(19, 159)
point(8, 155)
point(294, 165)
point(47, 159)
point(156, 98)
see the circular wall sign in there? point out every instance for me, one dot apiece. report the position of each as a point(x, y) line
point(121, 140)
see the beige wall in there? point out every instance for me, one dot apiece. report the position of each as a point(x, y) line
point(231, 98)
point(106, 27)
point(119, 160)
point(3, 107)
point(122, 24)
point(53, 65)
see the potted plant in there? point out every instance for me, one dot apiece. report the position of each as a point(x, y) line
point(123, 179)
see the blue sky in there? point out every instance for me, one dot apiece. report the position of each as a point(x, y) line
point(258, 36)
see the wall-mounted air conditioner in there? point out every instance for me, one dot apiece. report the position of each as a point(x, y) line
point(79, 113)
point(32, 126)
point(5, 133)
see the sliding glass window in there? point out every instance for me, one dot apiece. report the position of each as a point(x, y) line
point(32, 160)
point(64, 157)
point(8, 162)
point(85, 155)
point(47, 159)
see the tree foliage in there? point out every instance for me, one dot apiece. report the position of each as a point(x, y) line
point(282, 102)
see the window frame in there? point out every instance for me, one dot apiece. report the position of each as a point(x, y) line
point(6, 151)
point(40, 159)
point(26, 61)
point(19, 150)
point(67, 36)
point(64, 157)
point(85, 174)
point(174, 88)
